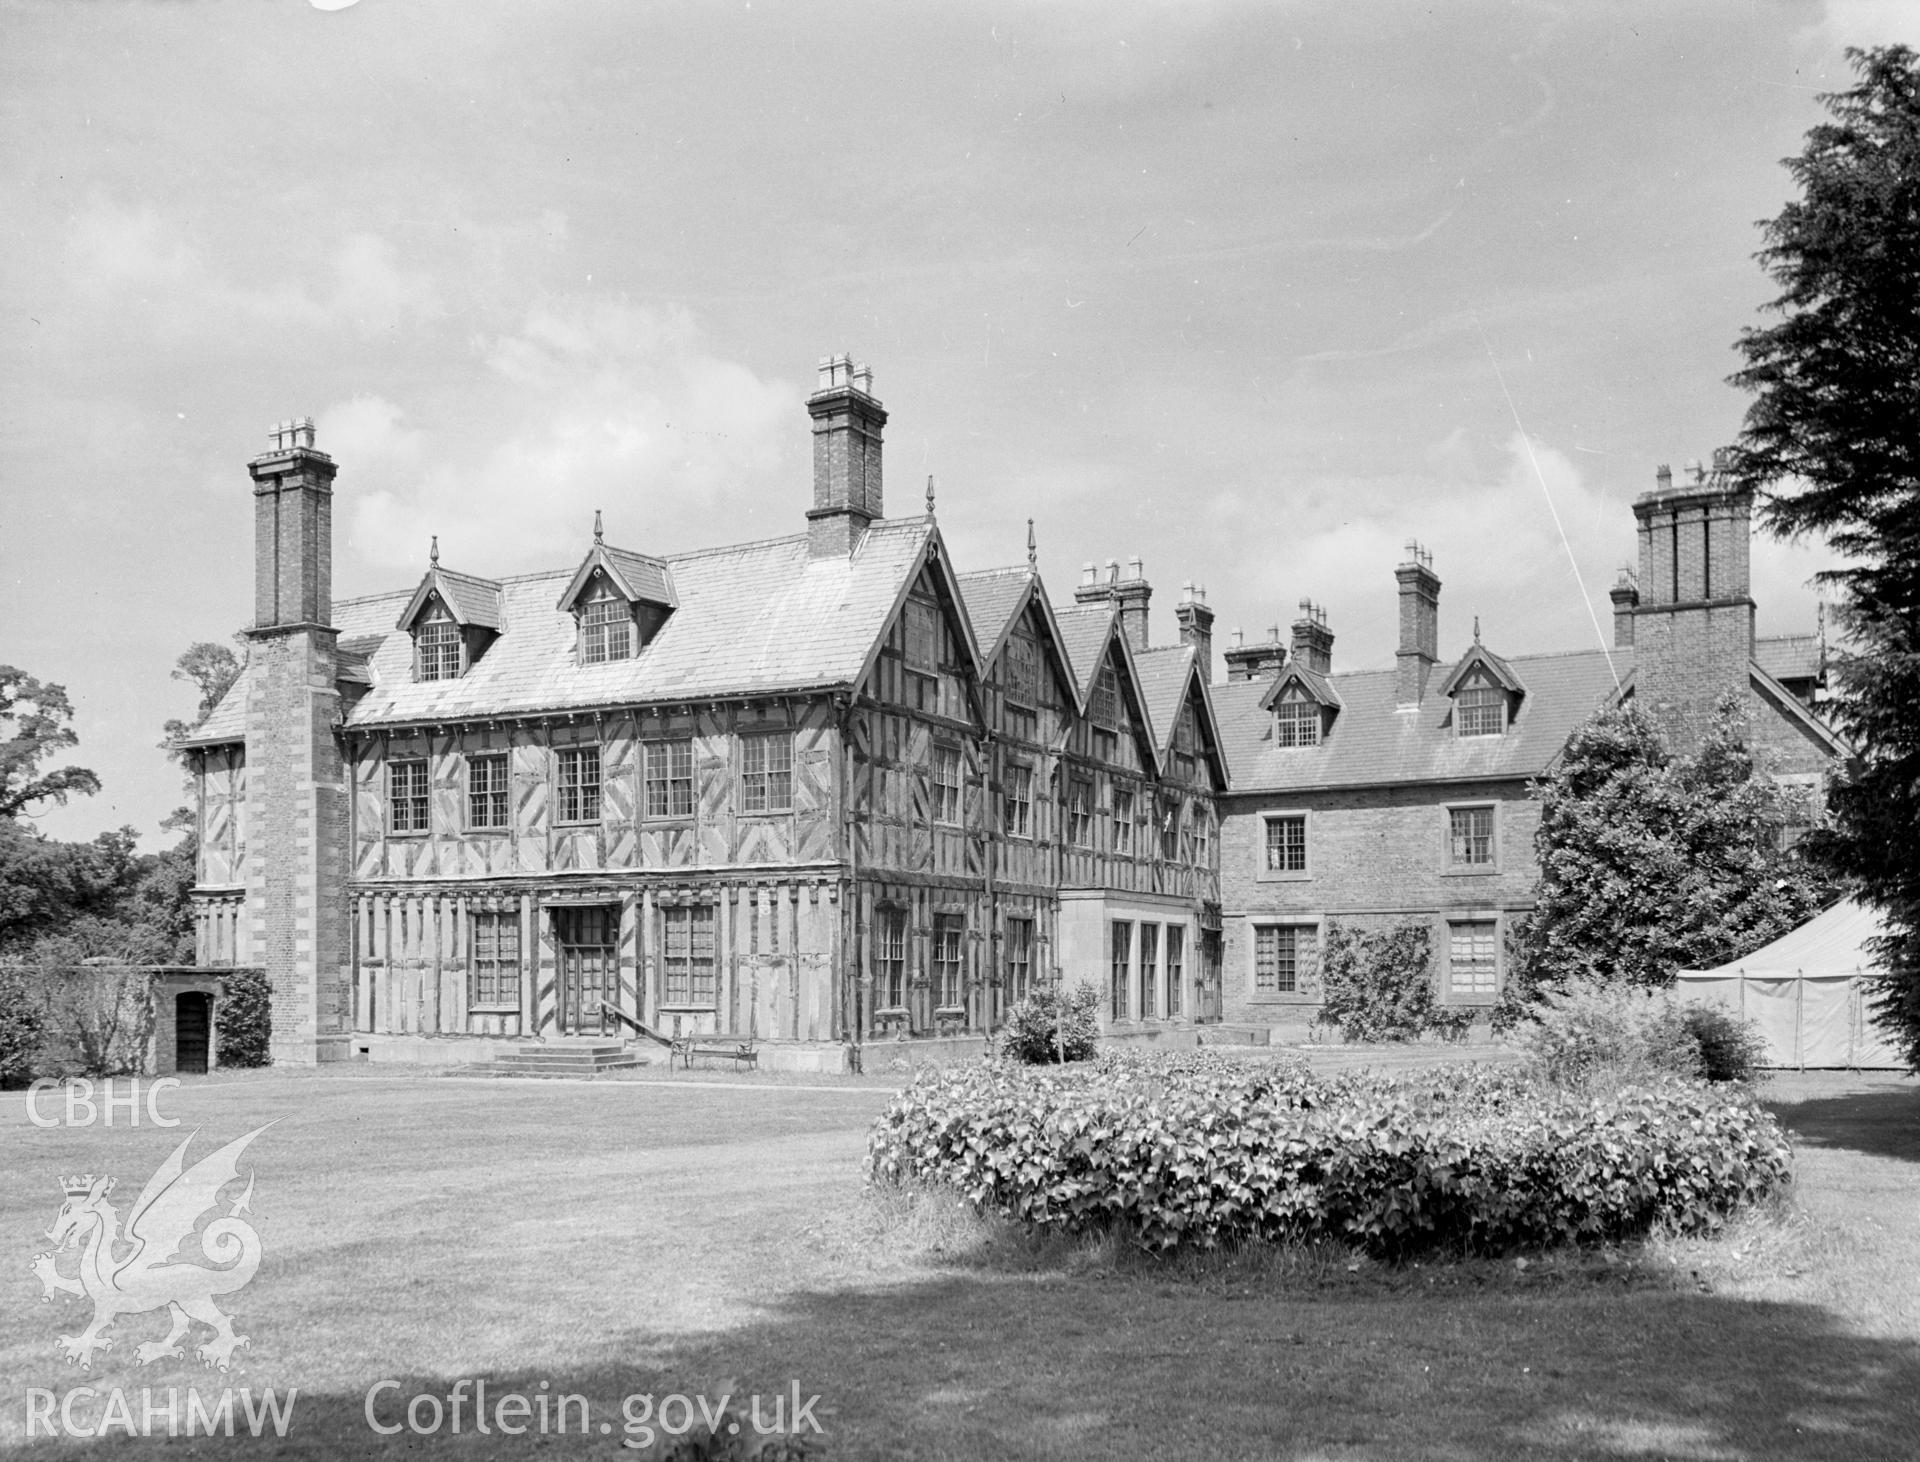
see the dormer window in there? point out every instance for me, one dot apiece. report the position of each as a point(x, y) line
point(606, 628)
point(1480, 710)
point(1296, 720)
point(437, 645)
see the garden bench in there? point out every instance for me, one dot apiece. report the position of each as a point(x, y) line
point(740, 1049)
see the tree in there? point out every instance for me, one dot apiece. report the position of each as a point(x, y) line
point(1651, 863)
point(1831, 444)
point(213, 668)
point(36, 716)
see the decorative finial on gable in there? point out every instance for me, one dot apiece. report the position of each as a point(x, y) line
point(433, 553)
point(1476, 629)
point(1033, 550)
point(598, 532)
point(929, 496)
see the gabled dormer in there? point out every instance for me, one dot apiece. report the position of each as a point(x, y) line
point(1485, 694)
point(1303, 704)
point(452, 619)
point(620, 601)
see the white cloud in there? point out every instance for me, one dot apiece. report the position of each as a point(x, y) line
point(597, 405)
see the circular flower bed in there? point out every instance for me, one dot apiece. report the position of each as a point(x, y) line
point(1197, 1149)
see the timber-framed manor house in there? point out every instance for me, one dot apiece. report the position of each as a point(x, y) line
point(823, 790)
point(827, 791)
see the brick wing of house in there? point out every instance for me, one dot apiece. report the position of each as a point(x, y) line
point(822, 790)
point(1376, 797)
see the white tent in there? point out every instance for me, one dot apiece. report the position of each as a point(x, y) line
point(1807, 991)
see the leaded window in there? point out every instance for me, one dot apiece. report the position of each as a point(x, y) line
point(922, 637)
point(1122, 823)
point(437, 648)
point(1017, 801)
point(1470, 837)
point(1103, 705)
point(579, 784)
point(1282, 955)
point(1296, 721)
point(766, 773)
point(890, 959)
point(1019, 958)
point(1080, 812)
point(487, 791)
point(1473, 965)
point(1480, 710)
point(606, 631)
point(949, 940)
point(1122, 970)
point(690, 971)
point(409, 801)
point(1287, 843)
point(494, 959)
point(947, 771)
point(670, 778)
point(1176, 967)
point(1149, 969)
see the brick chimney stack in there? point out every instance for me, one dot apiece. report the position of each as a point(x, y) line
point(1196, 626)
point(1693, 622)
point(1130, 592)
point(1312, 640)
point(1255, 662)
point(1419, 625)
point(847, 424)
point(297, 916)
point(1625, 595)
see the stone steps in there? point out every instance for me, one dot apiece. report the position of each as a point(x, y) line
point(563, 1058)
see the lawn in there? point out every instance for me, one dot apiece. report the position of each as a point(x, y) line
point(709, 1236)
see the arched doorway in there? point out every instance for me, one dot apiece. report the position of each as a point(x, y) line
point(192, 1032)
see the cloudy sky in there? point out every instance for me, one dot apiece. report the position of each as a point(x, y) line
point(1255, 291)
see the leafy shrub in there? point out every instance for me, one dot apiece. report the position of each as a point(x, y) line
point(1377, 985)
point(1044, 1026)
point(1731, 1046)
point(20, 1026)
point(244, 1018)
point(1175, 1152)
point(1591, 1035)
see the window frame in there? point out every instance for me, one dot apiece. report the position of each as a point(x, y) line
point(1471, 713)
point(601, 611)
point(494, 967)
point(890, 960)
point(1148, 959)
point(1292, 715)
point(689, 973)
point(1018, 774)
point(1017, 955)
point(450, 637)
point(766, 790)
point(419, 802)
point(947, 959)
point(1304, 817)
point(503, 793)
point(946, 794)
point(1454, 865)
point(1174, 956)
point(1493, 964)
point(578, 788)
point(1124, 824)
point(1080, 811)
point(670, 750)
point(1295, 929)
point(1120, 966)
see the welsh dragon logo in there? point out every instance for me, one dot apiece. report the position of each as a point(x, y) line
point(142, 1268)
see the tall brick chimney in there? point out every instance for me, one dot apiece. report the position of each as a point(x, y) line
point(1419, 625)
point(1312, 640)
point(1625, 595)
point(847, 423)
point(296, 807)
point(1196, 626)
point(1131, 593)
point(1255, 662)
point(1693, 625)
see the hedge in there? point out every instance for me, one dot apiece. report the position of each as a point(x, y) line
point(1197, 1151)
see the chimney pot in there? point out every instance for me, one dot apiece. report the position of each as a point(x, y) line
point(1662, 477)
point(1136, 569)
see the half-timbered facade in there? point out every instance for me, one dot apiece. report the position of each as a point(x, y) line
point(821, 789)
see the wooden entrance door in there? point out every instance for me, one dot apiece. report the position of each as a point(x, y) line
point(192, 1032)
point(588, 940)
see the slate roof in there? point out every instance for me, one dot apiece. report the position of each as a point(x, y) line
point(1788, 657)
point(1372, 742)
point(1164, 673)
point(1084, 630)
point(472, 599)
point(993, 597)
point(754, 619)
